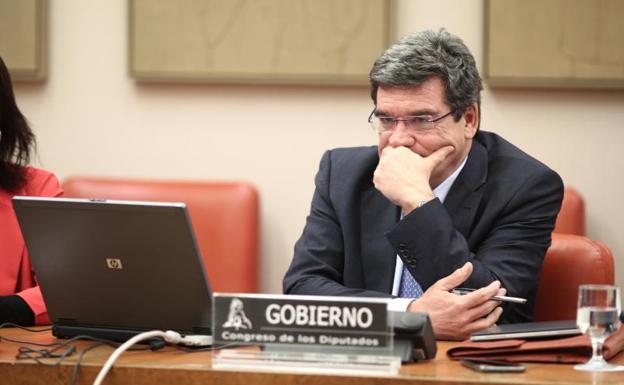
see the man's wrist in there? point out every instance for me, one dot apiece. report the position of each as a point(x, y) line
point(414, 306)
point(416, 203)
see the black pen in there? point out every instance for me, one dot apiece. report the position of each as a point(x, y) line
point(502, 298)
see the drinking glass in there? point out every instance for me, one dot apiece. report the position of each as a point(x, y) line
point(598, 316)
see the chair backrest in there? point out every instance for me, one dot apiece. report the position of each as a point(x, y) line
point(571, 218)
point(224, 217)
point(571, 260)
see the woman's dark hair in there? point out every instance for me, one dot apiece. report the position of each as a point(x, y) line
point(16, 137)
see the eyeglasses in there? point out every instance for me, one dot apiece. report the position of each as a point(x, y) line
point(419, 124)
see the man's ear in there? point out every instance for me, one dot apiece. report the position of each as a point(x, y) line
point(471, 119)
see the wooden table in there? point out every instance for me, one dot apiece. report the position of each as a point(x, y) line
point(176, 367)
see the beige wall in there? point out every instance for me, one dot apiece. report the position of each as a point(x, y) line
point(92, 118)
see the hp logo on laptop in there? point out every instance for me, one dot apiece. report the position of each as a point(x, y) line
point(114, 263)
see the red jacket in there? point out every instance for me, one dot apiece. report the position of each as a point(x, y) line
point(16, 273)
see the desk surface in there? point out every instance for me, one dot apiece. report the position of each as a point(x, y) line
point(173, 366)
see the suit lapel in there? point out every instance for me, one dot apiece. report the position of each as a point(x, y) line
point(463, 198)
point(378, 256)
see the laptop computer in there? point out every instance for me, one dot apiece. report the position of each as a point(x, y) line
point(544, 329)
point(112, 269)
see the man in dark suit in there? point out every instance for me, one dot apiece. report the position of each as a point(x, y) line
point(435, 205)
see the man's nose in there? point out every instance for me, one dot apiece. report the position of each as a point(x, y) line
point(400, 136)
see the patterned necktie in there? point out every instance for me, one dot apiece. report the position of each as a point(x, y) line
point(409, 288)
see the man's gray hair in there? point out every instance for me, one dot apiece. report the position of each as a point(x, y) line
point(420, 55)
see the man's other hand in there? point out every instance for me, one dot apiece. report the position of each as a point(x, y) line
point(455, 317)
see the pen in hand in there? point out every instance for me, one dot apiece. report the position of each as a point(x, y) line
point(502, 298)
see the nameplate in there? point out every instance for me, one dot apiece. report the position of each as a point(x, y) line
point(259, 319)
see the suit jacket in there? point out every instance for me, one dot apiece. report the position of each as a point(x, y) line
point(16, 273)
point(499, 214)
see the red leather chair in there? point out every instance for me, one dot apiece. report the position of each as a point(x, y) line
point(571, 260)
point(571, 218)
point(224, 217)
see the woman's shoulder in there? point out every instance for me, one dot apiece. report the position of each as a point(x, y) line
point(40, 182)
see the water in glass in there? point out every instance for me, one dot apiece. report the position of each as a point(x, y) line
point(598, 316)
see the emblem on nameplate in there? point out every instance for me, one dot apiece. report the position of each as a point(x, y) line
point(236, 316)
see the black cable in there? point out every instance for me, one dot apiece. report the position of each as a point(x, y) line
point(27, 353)
point(24, 327)
point(42, 344)
point(39, 355)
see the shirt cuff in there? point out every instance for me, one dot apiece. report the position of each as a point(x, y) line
point(399, 304)
point(15, 310)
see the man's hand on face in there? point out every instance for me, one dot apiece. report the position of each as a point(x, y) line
point(404, 176)
point(455, 317)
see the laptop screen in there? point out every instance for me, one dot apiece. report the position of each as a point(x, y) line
point(116, 267)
